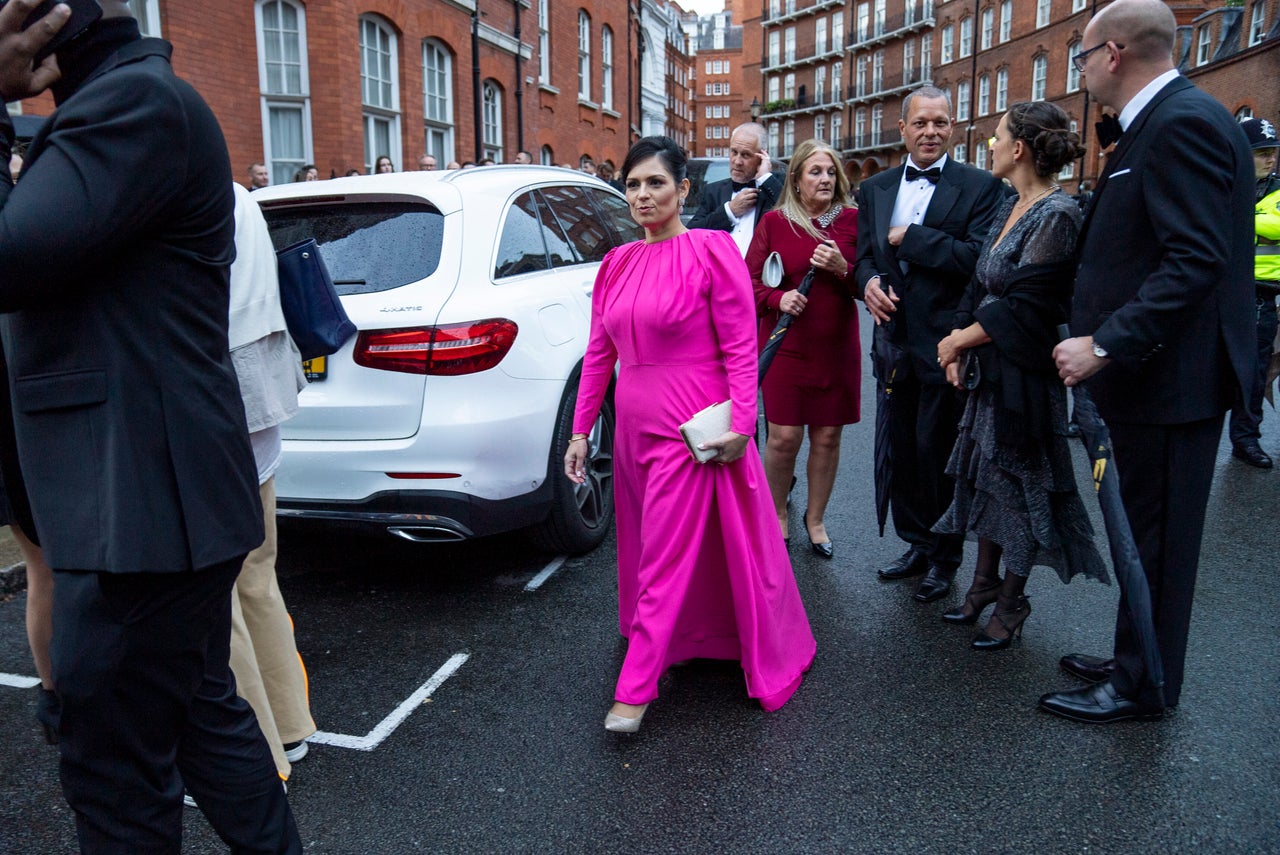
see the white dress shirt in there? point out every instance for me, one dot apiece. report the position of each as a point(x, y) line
point(1144, 96)
point(913, 197)
point(745, 226)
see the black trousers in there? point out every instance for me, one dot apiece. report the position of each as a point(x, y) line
point(1246, 416)
point(924, 421)
point(149, 704)
point(1165, 475)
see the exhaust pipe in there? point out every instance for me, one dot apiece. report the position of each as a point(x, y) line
point(427, 534)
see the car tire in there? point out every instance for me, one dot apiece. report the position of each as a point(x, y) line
point(580, 514)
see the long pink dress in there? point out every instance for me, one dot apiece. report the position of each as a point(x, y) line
point(702, 569)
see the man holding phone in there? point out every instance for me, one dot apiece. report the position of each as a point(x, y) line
point(114, 251)
point(736, 204)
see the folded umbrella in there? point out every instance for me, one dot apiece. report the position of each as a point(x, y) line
point(888, 363)
point(771, 346)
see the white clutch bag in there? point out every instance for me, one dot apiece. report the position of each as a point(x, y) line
point(710, 423)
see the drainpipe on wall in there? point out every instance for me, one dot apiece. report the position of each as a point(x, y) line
point(478, 114)
point(519, 84)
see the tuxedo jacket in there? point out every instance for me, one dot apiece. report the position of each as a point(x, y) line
point(711, 213)
point(114, 249)
point(941, 253)
point(1165, 281)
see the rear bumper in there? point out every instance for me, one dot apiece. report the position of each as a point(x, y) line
point(425, 516)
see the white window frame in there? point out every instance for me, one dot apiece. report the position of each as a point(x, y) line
point(1039, 77)
point(1073, 75)
point(1204, 43)
point(819, 84)
point(544, 42)
point(788, 137)
point(606, 67)
point(859, 127)
point(1006, 20)
point(820, 36)
point(958, 152)
point(864, 22)
point(947, 45)
point(966, 36)
point(877, 71)
point(877, 123)
point(1002, 90)
point(1257, 22)
point(819, 126)
point(491, 112)
point(963, 93)
point(775, 47)
point(1043, 10)
point(837, 127)
point(988, 27)
point(438, 124)
point(272, 102)
point(147, 12)
point(980, 156)
point(984, 95)
point(789, 44)
point(584, 55)
point(385, 111)
point(908, 61)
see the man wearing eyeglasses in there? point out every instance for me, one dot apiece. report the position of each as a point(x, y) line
point(1162, 319)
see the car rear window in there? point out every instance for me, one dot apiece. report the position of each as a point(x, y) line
point(367, 246)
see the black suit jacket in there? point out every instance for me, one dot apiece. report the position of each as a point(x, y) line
point(114, 251)
point(1165, 277)
point(941, 254)
point(711, 213)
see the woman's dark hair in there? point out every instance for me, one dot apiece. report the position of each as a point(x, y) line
point(1046, 130)
point(670, 155)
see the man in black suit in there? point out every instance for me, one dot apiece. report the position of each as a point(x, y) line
point(1162, 319)
point(737, 203)
point(920, 229)
point(114, 250)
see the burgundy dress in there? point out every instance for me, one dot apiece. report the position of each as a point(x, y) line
point(816, 378)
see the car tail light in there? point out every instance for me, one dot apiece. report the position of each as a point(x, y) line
point(448, 350)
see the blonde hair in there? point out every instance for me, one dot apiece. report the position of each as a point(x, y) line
point(789, 203)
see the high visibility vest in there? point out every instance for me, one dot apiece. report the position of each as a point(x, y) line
point(1266, 252)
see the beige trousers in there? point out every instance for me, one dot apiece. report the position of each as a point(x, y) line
point(264, 657)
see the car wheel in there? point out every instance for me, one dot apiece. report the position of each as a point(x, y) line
point(580, 514)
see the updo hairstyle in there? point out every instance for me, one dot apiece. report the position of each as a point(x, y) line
point(671, 156)
point(1045, 129)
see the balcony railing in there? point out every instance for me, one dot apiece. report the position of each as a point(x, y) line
point(791, 11)
point(888, 85)
point(916, 17)
point(786, 61)
point(868, 142)
point(805, 103)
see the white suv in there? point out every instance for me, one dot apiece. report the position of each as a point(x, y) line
point(447, 415)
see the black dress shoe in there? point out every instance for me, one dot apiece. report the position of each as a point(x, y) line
point(935, 585)
point(822, 550)
point(1092, 669)
point(1252, 454)
point(1098, 705)
point(912, 563)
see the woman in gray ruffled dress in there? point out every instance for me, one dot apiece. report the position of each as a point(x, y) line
point(1015, 486)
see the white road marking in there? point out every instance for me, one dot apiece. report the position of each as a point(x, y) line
point(536, 582)
point(385, 727)
point(18, 681)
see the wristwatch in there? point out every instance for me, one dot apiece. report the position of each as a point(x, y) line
point(1098, 350)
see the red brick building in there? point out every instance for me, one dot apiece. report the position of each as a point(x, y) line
point(720, 96)
point(341, 82)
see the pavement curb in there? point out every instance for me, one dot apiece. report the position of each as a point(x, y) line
point(13, 579)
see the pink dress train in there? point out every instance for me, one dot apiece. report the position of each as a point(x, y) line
point(702, 568)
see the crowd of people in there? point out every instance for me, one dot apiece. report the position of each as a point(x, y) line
point(139, 415)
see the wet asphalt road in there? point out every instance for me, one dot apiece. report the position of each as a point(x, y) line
point(900, 740)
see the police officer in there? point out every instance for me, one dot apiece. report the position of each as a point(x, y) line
point(1246, 417)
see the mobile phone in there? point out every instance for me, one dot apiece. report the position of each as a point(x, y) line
point(83, 15)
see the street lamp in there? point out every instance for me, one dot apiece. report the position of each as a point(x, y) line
point(755, 109)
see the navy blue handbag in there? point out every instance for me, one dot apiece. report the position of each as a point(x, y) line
point(314, 314)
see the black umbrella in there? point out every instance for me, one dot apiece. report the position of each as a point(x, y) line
point(888, 363)
point(771, 346)
point(1134, 592)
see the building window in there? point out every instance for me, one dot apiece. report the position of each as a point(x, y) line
point(860, 127)
point(877, 121)
point(837, 31)
point(1078, 5)
point(282, 77)
point(774, 136)
point(819, 127)
point(837, 80)
point(1068, 170)
point(963, 93)
point(908, 62)
point(820, 37)
point(926, 56)
point(789, 87)
point(148, 14)
point(1073, 76)
point(606, 68)
point(789, 39)
point(775, 88)
point(1203, 46)
point(544, 41)
point(959, 152)
point(819, 85)
point(966, 37)
point(775, 48)
point(1002, 90)
point(984, 94)
point(492, 116)
point(980, 156)
point(1257, 23)
point(1006, 20)
point(837, 128)
point(861, 81)
point(1042, 13)
point(437, 97)
point(864, 21)
point(948, 41)
point(878, 23)
point(380, 87)
point(988, 25)
point(1244, 114)
point(546, 156)
point(584, 56)
point(1039, 67)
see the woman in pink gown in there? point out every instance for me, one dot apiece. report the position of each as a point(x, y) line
point(702, 569)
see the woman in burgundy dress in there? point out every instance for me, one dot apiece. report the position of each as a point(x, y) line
point(815, 380)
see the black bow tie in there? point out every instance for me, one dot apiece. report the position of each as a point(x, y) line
point(931, 175)
point(743, 186)
point(1108, 129)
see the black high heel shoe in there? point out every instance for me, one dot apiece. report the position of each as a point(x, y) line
point(976, 599)
point(823, 550)
point(49, 713)
point(1010, 613)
